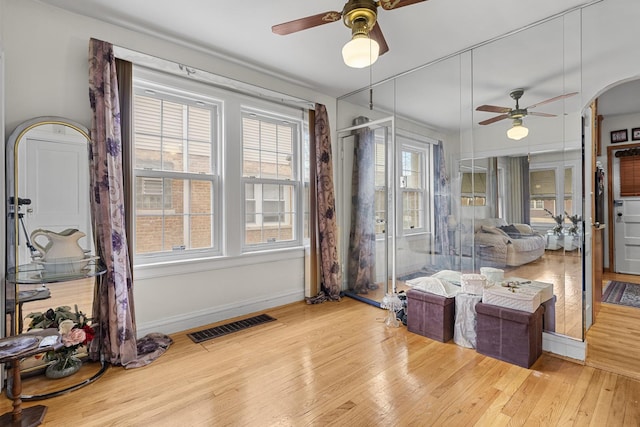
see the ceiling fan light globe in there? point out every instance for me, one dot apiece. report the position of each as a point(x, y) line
point(517, 132)
point(360, 52)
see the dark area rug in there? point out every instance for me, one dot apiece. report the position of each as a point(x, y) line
point(218, 331)
point(622, 293)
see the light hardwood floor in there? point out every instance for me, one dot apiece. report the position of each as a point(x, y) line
point(338, 364)
point(613, 342)
point(563, 269)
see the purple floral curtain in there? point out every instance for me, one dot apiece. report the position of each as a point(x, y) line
point(327, 223)
point(114, 302)
point(442, 202)
point(362, 235)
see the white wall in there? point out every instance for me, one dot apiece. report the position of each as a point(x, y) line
point(46, 73)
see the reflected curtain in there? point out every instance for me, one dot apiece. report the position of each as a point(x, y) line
point(113, 305)
point(441, 203)
point(518, 210)
point(362, 235)
point(330, 272)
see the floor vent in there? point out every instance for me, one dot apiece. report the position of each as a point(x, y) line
point(218, 331)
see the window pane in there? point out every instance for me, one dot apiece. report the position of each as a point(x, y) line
point(412, 210)
point(166, 130)
point(172, 119)
point(200, 124)
point(201, 197)
point(174, 239)
point(172, 154)
point(380, 170)
point(267, 147)
point(412, 169)
point(149, 235)
point(542, 184)
point(201, 231)
point(200, 157)
point(270, 217)
point(174, 195)
point(147, 115)
point(380, 203)
point(164, 224)
point(147, 151)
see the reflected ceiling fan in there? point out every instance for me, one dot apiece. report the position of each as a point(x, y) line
point(518, 131)
point(367, 41)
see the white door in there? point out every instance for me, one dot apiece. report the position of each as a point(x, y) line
point(54, 175)
point(626, 223)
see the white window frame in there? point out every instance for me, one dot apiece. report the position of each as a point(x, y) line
point(408, 142)
point(149, 83)
point(296, 205)
point(559, 170)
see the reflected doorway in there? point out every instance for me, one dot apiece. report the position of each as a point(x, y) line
point(367, 149)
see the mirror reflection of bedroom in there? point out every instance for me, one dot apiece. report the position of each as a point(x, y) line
point(425, 199)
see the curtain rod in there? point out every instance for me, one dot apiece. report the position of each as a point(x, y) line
point(172, 67)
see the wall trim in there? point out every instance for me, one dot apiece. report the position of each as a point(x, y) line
point(564, 346)
point(195, 319)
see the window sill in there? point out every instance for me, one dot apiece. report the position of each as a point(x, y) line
point(180, 267)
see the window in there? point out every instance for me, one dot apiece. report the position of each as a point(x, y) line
point(629, 176)
point(380, 182)
point(474, 189)
point(269, 175)
point(414, 161)
point(174, 171)
point(550, 190)
point(537, 204)
point(413, 188)
point(188, 138)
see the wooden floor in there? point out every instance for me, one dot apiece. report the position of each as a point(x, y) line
point(613, 342)
point(563, 269)
point(338, 364)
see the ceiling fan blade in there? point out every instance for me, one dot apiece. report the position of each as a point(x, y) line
point(308, 22)
point(394, 4)
point(494, 119)
point(535, 113)
point(556, 98)
point(376, 34)
point(493, 109)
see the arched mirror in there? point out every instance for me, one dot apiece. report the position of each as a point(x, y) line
point(49, 232)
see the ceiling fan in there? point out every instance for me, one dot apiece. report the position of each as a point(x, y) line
point(367, 41)
point(518, 131)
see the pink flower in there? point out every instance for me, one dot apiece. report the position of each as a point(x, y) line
point(74, 337)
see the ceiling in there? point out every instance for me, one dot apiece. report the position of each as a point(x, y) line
point(418, 34)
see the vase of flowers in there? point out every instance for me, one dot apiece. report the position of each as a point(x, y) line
point(75, 331)
point(572, 239)
point(555, 236)
point(557, 230)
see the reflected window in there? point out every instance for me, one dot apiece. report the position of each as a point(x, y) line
point(550, 191)
point(413, 187)
point(474, 189)
point(380, 202)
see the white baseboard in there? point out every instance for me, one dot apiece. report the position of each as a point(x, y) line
point(564, 346)
point(171, 325)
